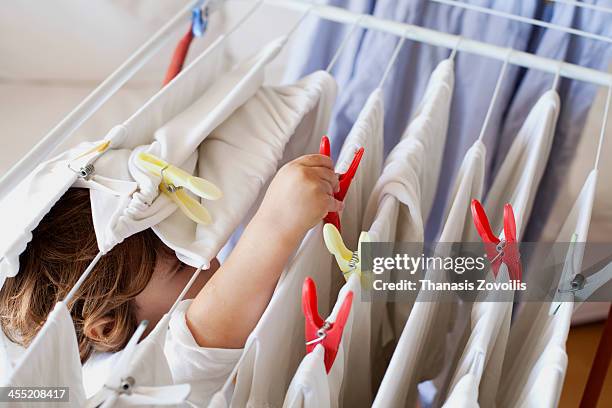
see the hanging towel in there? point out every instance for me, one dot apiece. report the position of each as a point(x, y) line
point(421, 347)
point(516, 183)
point(536, 347)
point(52, 360)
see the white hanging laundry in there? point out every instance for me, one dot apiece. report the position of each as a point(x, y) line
point(465, 393)
point(240, 156)
point(416, 162)
point(52, 360)
point(421, 348)
point(518, 177)
point(120, 205)
point(367, 132)
point(311, 385)
point(516, 183)
point(536, 347)
point(176, 142)
point(114, 193)
point(270, 360)
point(275, 348)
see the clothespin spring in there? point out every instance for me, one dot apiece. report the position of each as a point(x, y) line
point(500, 250)
point(575, 285)
point(321, 334)
point(171, 188)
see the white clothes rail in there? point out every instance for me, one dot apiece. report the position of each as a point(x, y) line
point(450, 41)
point(95, 100)
point(582, 4)
point(522, 19)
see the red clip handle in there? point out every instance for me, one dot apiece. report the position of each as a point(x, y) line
point(510, 255)
point(344, 180)
point(314, 322)
point(179, 56)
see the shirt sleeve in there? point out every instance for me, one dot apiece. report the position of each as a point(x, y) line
point(206, 369)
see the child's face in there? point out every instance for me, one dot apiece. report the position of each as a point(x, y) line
point(168, 280)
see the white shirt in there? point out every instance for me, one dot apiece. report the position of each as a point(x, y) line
point(178, 359)
point(421, 347)
point(515, 183)
point(275, 348)
point(312, 386)
point(536, 347)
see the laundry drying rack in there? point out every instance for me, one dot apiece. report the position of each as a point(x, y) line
point(138, 59)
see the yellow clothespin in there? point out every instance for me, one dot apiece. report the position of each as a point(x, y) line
point(175, 181)
point(101, 148)
point(348, 261)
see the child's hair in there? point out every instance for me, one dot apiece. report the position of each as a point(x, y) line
point(63, 244)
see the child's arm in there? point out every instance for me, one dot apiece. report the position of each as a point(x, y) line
point(227, 309)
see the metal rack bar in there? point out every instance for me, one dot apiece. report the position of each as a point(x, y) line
point(450, 41)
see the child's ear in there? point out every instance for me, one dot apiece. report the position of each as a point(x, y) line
point(101, 330)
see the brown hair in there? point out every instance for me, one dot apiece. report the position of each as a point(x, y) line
point(63, 244)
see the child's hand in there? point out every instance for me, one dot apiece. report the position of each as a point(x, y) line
point(298, 198)
point(301, 194)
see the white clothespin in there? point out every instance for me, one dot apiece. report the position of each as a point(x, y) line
point(174, 181)
point(121, 384)
point(576, 287)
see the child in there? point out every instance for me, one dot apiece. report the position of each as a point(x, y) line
point(141, 278)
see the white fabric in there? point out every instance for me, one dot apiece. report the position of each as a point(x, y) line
point(312, 386)
point(240, 156)
point(175, 142)
point(169, 354)
point(24, 207)
point(420, 350)
point(516, 183)
point(52, 360)
point(465, 393)
point(269, 361)
point(367, 132)
point(536, 347)
point(413, 166)
point(275, 348)
point(205, 369)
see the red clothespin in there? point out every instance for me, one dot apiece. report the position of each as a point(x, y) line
point(199, 23)
point(179, 56)
point(318, 331)
point(344, 179)
point(499, 251)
